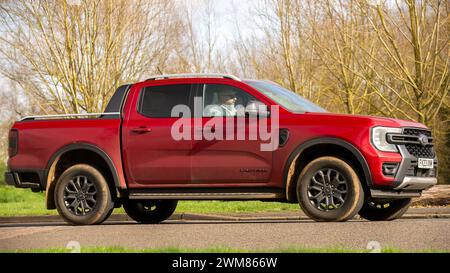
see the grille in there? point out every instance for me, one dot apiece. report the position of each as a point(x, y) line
point(412, 170)
point(416, 132)
point(418, 150)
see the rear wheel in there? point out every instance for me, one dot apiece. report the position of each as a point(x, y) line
point(384, 210)
point(82, 196)
point(150, 211)
point(328, 189)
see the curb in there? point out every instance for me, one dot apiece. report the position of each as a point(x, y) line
point(197, 217)
point(112, 218)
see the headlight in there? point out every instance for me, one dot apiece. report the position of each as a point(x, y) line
point(378, 136)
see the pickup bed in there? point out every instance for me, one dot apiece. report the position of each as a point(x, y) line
point(192, 137)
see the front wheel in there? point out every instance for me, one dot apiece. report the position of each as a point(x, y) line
point(379, 210)
point(328, 189)
point(150, 211)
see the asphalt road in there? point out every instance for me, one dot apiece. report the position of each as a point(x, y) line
point(405, 234)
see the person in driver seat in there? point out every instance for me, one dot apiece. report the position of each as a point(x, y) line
point(227, 107)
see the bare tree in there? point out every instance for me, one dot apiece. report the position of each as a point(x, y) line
point(71, 55)
point(414, 57)
point(278, 49)
point(198, 51)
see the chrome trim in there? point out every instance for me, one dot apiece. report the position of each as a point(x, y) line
point(68, 116)
point(416, 183)
point(194, 75)
point(400, 139)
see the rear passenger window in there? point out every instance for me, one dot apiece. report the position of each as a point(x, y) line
point(158, 101)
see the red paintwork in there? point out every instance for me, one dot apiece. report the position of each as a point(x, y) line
point(154, 159)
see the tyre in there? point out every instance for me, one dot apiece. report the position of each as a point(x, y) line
point(384, 210)
point(328, 189)
point(150, 211)
point(82, 196)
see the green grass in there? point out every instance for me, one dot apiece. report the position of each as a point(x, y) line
point(15, 201)
point(118, 249)
point(2, 171)
point(234, 206)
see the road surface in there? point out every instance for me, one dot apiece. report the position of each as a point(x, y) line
point(404, 234)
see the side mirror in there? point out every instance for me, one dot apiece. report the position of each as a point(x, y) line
point(256, 108)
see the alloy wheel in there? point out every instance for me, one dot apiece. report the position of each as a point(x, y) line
point(327, 189)
point(80, 195)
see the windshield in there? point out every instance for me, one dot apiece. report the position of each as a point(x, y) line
point(284, 97)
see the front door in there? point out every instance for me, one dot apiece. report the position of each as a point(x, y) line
point(234, 159)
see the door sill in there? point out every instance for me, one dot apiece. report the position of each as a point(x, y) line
point(208, 194)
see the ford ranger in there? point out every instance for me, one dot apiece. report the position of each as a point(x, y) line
point(183, 137)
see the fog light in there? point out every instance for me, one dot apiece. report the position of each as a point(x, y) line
point(390, 169)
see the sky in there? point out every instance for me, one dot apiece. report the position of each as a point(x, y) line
point(226, 12)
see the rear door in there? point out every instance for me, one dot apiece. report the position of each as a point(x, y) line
point(152, 156)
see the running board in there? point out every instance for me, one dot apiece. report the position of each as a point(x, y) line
point(206, 195)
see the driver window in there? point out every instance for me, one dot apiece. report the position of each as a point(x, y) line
point(220, 100)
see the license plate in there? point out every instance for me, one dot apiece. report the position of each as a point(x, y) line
point(425, 163)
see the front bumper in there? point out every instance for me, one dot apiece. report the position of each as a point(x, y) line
point(410, 187)
point(416, 183)
point(408, 181)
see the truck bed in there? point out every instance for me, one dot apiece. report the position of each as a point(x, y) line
point(43, 137)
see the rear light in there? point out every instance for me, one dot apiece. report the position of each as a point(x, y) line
point(13, 142)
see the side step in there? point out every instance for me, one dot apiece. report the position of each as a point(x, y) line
point(206, 194)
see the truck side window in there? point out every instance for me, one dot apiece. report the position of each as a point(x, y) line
point(220, 100)
point(158, 101)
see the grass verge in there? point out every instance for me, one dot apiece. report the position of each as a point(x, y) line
point(15, 202)
point(117, 249)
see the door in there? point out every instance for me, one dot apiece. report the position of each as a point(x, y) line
point(153, 157)
point(236, 158)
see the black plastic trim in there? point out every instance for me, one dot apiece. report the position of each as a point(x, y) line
point(13, 178)
point(207, 190)
point(84, 146)
point(285, 131)
point(328, 140)
point(241, 193)
point(116, 102)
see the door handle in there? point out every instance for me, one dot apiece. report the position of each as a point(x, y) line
point(141, 130)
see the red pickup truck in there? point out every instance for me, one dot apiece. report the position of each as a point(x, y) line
point(333, 165)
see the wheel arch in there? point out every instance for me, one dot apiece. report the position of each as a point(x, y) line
point(313, 149)
point(60, 161)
